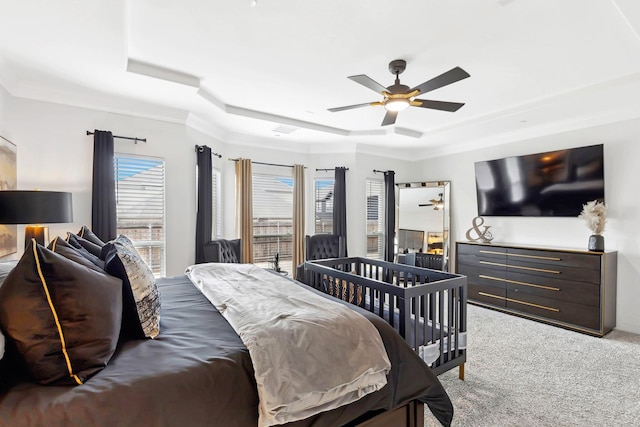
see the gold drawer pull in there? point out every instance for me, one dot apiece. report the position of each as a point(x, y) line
point(544, 307)
point(492, 252)
point(521, 255)
point(519, 267)
point(536, 257)
point(515, 282)
point(482, 276)
point(490, 295)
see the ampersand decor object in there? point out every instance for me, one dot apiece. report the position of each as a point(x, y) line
point(484, 236)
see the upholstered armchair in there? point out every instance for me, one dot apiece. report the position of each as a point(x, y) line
point(321, 246)
point(223, 250)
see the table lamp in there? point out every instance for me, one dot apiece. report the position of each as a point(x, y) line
point(34, 208)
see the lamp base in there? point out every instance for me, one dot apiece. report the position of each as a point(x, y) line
point(38, 232)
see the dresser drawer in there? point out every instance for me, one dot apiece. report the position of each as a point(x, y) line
point(483, 251)
point(569, 259)
point(477, 268)
point(562, 311)
point(554, 288)
point(556, 271)
point(486, 294)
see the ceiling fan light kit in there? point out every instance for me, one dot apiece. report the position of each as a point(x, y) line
point(396, 104)
point(398, 97)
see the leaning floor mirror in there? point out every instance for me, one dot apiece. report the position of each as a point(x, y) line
point(422, 224)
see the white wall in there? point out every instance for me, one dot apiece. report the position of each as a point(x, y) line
point(622, 233)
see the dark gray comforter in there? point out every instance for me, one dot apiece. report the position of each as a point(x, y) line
point(198, 373)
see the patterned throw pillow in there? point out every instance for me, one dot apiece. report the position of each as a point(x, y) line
point(62, 317)
point(141, 301)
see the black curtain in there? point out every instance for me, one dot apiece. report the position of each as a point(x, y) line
point(340, 204)
point(204, 216)
point(103, 196)
point(389, 214)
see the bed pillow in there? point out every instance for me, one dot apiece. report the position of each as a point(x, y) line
point(141, 301)
point(86, 233)
point(62, 317)
point(93, 248)
point(75, 242)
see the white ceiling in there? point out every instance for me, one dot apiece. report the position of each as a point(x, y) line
point(536, 67)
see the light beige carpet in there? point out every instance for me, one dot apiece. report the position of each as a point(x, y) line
point(524, 373)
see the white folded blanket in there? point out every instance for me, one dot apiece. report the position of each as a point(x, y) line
point(309, 354)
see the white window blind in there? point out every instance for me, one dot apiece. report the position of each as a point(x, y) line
point(273, 219)
point(216, 200)
point(323, 189)
point(375, 218)
point(140, 207)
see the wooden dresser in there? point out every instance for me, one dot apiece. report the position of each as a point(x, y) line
point(566, 287)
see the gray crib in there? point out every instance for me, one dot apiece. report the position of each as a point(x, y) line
point(427, 307)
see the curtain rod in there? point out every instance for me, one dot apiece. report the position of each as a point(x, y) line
point(377, 171)
point(327, 170)
point(200, 148)
point(266, 164)
point(135, 140)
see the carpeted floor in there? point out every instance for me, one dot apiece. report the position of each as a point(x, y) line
point(524, 373)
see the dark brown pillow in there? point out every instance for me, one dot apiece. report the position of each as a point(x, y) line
point(93, 248)
point(86, 233)
point(80, 245)
point(62, 316)
point(140, 299)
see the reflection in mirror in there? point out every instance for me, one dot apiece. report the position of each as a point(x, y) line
point(423, 222)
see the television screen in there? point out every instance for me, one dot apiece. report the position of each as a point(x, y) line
point(556, 183)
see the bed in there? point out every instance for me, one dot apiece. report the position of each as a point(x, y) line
point(198, 372)
point(427, 307)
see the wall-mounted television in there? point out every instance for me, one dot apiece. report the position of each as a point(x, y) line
point(555, 183)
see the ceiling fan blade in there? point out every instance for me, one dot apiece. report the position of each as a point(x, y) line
point(349, 107)
point(389, 118)
point(422, 205)
point(439, 105)
point(451, 76)
point(368, 82)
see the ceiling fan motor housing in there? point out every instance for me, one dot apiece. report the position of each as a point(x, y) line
point(397, 66)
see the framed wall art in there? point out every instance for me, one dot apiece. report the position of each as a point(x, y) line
point(8, 181)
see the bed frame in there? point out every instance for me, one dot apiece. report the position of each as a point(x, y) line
point(397, 292)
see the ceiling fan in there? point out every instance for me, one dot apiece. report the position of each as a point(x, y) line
point(397, 97)
point(437, 204)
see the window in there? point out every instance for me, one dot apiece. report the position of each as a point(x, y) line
point(323, 190)
point(140, 207)
point(216, 200)
point(375, 218)
point(272, 219)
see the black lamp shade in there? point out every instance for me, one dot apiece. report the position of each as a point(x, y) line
point(35, 207)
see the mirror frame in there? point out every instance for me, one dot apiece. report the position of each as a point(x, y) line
point(446, 214)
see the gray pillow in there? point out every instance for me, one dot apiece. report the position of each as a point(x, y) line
point(5, 268)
